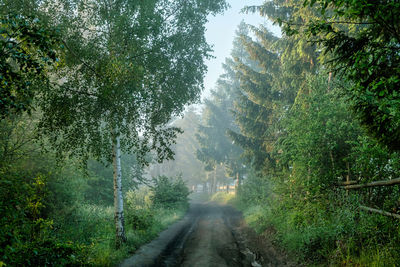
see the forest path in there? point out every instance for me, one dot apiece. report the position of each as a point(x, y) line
point(209, 235)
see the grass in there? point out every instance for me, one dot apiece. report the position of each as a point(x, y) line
point(93, 227)
point(107, 255)
point(224, 198)
point(338, 236)
point(318, 235)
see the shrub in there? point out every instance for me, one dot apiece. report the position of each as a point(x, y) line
point(26, 235)
point(170, 192)
point(48, 252)
point(139, 199)
point(140, 219)
point(139, 214)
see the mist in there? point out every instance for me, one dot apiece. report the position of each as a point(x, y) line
point(199, 133)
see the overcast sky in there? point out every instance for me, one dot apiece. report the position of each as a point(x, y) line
point(221, 31)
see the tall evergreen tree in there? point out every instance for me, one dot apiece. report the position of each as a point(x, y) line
point(215, 146)
point(256, 100)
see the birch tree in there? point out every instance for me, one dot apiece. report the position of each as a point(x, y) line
point(28, 50)
point(130, 66)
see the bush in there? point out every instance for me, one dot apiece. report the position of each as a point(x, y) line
point(26, 235)
point(49, 252)
point(170, 192)
point(140, 219)
point(139, 199)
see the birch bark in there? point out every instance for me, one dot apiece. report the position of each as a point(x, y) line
point(118, 200)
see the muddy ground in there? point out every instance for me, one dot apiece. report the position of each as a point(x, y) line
point(209, 235)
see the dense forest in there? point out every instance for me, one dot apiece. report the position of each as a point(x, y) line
point(100, 148)
point(314, 116)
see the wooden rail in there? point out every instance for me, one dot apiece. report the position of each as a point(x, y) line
point(372, 184)
point(347, 183)
point(354, 185)
point(382, 212)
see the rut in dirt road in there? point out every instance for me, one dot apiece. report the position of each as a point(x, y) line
point(212, 241)
point(209, 235)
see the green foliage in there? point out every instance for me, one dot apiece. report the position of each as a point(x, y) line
point(140, 219)
point(49, 210)
point(328, 230)
point(322, 144)
point(374, 162)
point(26, 235)
point(99, 176)
point(29, 49)
point(255, 96)
point(138, 209)
point(223, 198)
point(137, 87)
point(99, 188)
point(254, 190)
point(215, 146)
point(46, 253)
point(129, 68)
point(361, 43)
point(139, 199)
point(170, 192)
point(185, 161)
point(318, 131)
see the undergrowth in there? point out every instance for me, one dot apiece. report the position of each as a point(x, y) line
point(223, 198)
point(101, 249)
point(93, 225)
point(336, 234)
point(46, 221)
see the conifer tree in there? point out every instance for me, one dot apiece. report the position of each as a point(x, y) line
point(254, 105)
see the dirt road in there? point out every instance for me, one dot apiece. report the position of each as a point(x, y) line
point(209, 235)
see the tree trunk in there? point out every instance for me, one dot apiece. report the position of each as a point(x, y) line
point(237, 182)
point(118, 200)
point(215, 180)
point(208, 183)
point(347, 176)
point(332, 161)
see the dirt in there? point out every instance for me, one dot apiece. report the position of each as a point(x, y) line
point(209, 235)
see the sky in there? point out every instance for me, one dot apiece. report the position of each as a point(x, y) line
point(220, 33)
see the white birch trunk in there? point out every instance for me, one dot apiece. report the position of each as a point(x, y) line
point(118, 200)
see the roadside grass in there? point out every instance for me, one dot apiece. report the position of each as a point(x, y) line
point(102, 251)
point(254, 217)
point(224, 198)
point(334, 236)
point(92, 226)
point(316, 234)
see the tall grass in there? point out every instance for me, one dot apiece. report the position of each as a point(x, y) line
point(93, 226)
point(223, 198)
point(337, 234)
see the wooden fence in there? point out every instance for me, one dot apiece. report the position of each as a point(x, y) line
point(351, 185)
